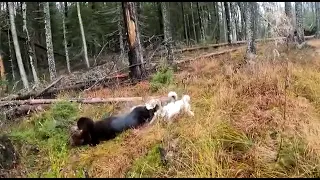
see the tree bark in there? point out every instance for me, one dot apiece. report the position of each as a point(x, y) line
point(233, 21)
point(288, 11)
point(160, 20)
point(202, 35)
point(216, 22)
point(31, 52)
point(84, 44)
point(17, 47)
point(243, 20)
point(299, 22)
point(120, 29)
point(51, 61)
point(167, 32)
point(136, 64)
point(193, 24)
point(227, 15)
point(317, 4)
point(251, 49)
point(184, 23)
point(65, 42)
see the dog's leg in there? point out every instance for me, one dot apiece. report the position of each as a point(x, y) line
point(188, 110)
point(153, 119)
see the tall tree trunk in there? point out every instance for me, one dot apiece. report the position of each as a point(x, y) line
point(184, 24)
point(10, 58)
point(216, 22)
point(51, 61)
point(84, 44)
point(120, 29)
point(288, 11)
point(227, 15)
point(135, 53)
point(65, 42)
point(233, 21)
point(160, 20)
point(202, 38)
point(299, 22)
point(17, 47)
point(167, 32)
point(251, 49)
point(193, 24)
point(243, 20)
point(318, 19)
point(31, 52)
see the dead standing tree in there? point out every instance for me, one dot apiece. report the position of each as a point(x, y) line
point(136, 64)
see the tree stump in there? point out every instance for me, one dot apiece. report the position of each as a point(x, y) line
point(8, 155)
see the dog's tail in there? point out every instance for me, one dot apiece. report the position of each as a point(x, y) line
point(173, 96)
point(186, 98)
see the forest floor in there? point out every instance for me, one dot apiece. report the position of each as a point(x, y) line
point(247, 123)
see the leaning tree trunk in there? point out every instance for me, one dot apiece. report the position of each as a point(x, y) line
point(65, 43)
point(17, 47)
point(299, 22)
point(318, 19)
point(84, 44)
point(233, 21)
point(135, 53)
point(227, 15)
point(251, 49)
point(167, 32)
point(51, 62)
point(31, 52)
point(193, 23)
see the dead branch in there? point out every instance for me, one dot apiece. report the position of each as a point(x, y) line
point(79, 100)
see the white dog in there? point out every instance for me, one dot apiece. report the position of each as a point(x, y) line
point(172, 96)
point(174, 108)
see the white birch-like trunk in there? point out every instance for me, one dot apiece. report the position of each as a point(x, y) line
point(233, 20)
point(28, 42)
point(83, 36)
point(17, 47)
point(65, 36)
point(47, 25)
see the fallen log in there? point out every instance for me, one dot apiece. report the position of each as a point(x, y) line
point(77, 100)
point(49, 91)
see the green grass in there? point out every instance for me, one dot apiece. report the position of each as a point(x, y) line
point(48, 132)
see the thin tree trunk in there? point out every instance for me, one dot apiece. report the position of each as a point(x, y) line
point(202, 38)
point(193, 23)
point(216, 22)
point(65, 43)
point(84, 44)
point(223, 15)
point(233, 21)
point(317, 4)
point(160, 20)
point(299, 22)
point(184, 24)
point(17, 47)
point(31, 52)
point(251, 46)
point(227, 15)
point(288, 11)
point(167, 32)
point(135, 53)
point(9, 45)
point(120, 25)
point(51, 61)
point(243, 20)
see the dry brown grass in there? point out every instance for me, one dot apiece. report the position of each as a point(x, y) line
point(237, 128)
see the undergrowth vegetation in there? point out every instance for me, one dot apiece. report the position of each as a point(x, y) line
point(247, 123)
